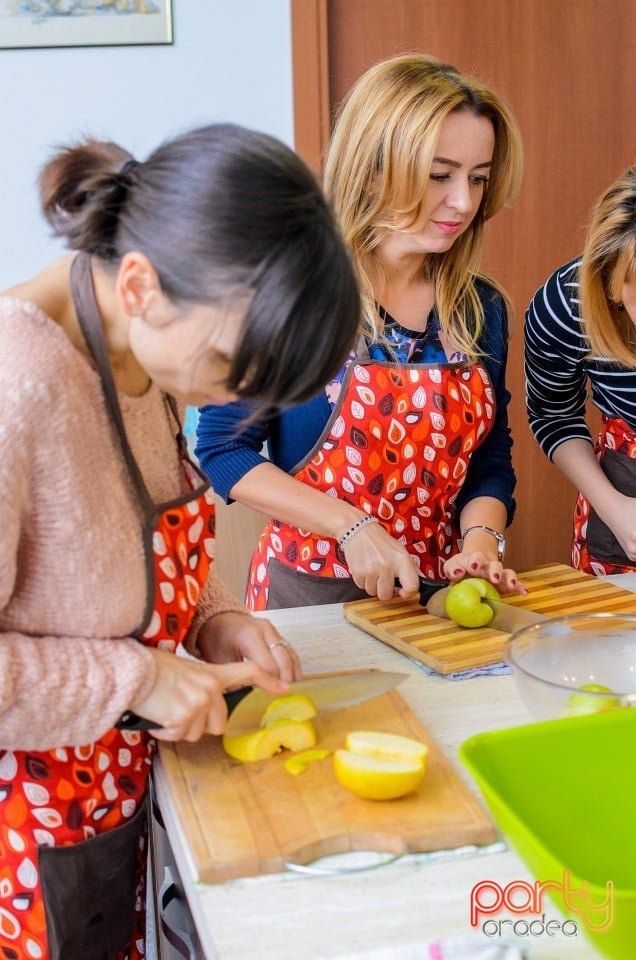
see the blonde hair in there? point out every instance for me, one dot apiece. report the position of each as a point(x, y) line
point(378, 168)
point(609, 261)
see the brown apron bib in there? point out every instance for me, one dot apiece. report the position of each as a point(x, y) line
point(595, 549)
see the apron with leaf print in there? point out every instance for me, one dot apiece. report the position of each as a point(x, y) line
point(72, 819)
point(595, 549)
point(397, 445)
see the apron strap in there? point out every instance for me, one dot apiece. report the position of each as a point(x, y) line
point(361, 351)
point(83, 292)
point(182, 444)
point(84, 299)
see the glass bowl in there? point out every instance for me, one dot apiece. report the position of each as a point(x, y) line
point(554, 659)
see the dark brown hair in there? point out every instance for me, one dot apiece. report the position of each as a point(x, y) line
point(224, 214)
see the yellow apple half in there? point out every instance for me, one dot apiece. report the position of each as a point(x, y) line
point(264, 743)
point(374, 744)
point(380, 766)
point(295, 706)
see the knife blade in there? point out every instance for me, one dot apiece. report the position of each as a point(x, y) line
point(507, 618)
point(328, 693)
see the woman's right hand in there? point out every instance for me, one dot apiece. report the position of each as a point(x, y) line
point(376, 560)
point(187, 697)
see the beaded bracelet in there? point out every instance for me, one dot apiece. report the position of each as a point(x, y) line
point(362, 522)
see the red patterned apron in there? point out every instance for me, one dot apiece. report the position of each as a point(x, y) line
point(397, 445)
point(595, 550)
point(64, 808)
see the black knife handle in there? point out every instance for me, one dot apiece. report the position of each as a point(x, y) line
point(427, 588)
point(130, 720)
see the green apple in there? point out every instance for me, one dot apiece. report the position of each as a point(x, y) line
point(465, 602)
point(579, 703)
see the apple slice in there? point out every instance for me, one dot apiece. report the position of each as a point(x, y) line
point(264, 743)
point(373, 744)
point(299, 762)
point(295, 706)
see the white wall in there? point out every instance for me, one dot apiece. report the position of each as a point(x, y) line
point(230, 61)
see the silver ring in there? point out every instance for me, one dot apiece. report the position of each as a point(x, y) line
point(279, 643)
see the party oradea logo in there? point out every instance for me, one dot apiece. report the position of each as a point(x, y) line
point(488, 898)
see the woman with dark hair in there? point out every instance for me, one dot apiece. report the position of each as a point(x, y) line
point(580, 329)
point(200, 275)
point(402, 465)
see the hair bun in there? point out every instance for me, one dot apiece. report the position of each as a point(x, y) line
point(128, 167)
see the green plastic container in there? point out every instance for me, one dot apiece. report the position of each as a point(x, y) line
point(564, 793)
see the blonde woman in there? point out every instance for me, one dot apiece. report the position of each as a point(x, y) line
point(580, 329)
point(402, 465)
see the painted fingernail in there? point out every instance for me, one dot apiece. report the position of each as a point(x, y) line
point(458, 572)
point(474, 566)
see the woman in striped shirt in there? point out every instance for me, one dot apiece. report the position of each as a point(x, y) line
point(580, 327)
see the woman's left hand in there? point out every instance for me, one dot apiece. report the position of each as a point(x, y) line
point(477, 564)
point(228, 637)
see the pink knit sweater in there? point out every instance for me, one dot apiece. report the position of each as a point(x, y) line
point(72, 576)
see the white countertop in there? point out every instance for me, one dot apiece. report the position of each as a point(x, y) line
point(412, 901)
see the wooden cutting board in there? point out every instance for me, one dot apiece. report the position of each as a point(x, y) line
point(554, 590)
point(245, 819)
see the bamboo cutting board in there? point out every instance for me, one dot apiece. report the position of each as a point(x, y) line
point(554, 590)
point(245, 819)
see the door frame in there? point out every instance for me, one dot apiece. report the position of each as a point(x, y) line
point(310, 71)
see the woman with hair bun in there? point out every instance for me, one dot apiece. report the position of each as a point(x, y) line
point(580, 329)
point(402, 464)
point(199, 275)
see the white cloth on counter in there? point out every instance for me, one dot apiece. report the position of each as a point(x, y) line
point(499, 669)
point(626, 581)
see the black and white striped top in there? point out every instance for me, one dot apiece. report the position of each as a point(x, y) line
point(558, 367)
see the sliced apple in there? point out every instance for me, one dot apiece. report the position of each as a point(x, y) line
point(247, 746)
point(265, 743)
point(376, 778)
point(380, 766)
point(295, 706)
point(373, 744)
point(299, 762)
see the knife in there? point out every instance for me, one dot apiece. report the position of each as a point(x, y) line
point(130, 720)
point(247, 704)
point(327, 693)
point(507, 618)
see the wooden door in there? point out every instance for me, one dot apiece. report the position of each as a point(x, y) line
point(568, 69)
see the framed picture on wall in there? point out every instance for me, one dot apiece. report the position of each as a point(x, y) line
point(84, 23)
